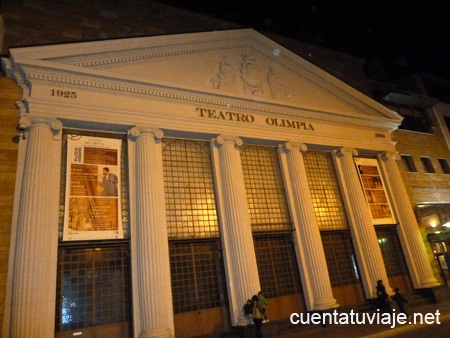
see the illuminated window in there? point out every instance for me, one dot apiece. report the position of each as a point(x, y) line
point(325, 192)
point(265, 190)
point(196, 265)
point(270, 221)
point(189, 189)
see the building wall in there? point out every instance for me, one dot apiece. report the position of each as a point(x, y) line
point(42, 22)
point(9, 94)
point(423, 187)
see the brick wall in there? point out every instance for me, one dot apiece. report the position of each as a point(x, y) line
point(422, 186)
point(9, 115)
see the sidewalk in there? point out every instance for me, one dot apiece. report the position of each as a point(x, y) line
point(360, 330)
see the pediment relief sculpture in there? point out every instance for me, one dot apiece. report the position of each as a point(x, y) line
point(250, 77)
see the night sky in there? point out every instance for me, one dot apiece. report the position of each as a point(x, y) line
point(407, 36)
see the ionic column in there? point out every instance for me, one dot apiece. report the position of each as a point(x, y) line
point(370, 259)
point(236, 232)
point(153, 264)
point(408, 230)
point(314, 270)
point(36, 240)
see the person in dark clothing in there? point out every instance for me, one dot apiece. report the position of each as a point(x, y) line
point(257, 317)
point(248, 311)
point(400, 300)
point(383, 300)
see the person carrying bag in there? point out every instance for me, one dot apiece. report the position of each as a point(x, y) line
point(258, 317)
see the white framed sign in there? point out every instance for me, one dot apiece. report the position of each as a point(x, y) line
point(374, 190)
point(92, 206)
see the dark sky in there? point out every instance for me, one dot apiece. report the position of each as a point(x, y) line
point(408, 36)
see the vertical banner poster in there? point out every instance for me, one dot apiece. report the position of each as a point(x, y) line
point(93, 204)
point(374, 190)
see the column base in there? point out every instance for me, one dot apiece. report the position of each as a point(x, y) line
point(429, 283)
point(326, 304)
point(159, 333)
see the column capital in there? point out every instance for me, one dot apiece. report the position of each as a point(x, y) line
point(26, 122)
point(55, 125)
point(138, 131)
point(389, 155)
point(289, 146)
point(229, 139)
point(341, 152)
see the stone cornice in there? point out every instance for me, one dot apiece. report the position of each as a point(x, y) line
point(55, 77)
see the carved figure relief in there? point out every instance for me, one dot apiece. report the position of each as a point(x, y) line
point(278, 89)
point(225, 78)
point(251, 75)
point(253, 79)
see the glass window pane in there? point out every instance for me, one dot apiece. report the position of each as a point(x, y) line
point(189, 190)
point(325, 191)
point(265, 190)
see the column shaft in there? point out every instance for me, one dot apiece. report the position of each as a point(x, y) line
point(365, 240)
point(241, 268)
point(36, 245)
point(409, 233)
point(317, 285)
point(153, 264)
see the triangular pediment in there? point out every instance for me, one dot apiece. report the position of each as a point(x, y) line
point(237, 64)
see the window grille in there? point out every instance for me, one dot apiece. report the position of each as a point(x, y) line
point(325, 192)
point(189, 190)
point(341, 259)
point(92, 287)
point(265, 190)
point(277, 266)
point(275, 254)
point(198, 278)
point(393, 257)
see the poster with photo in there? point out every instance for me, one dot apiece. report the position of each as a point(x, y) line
point(93, 206)
point(374, 190)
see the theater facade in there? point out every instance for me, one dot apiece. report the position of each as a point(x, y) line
point(162, 181)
